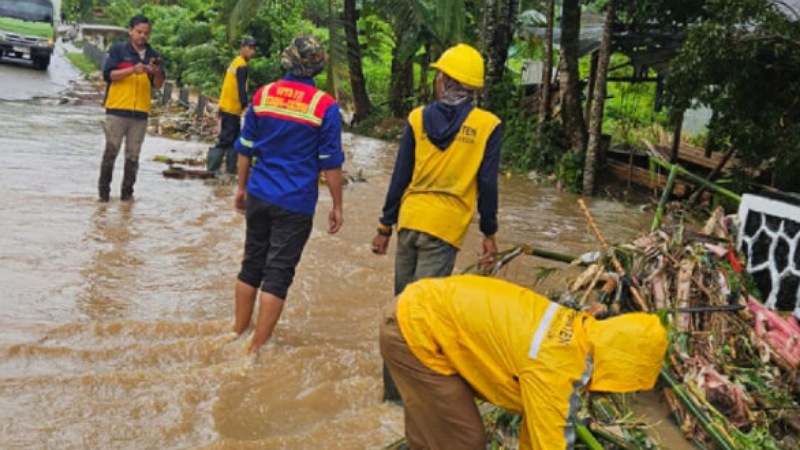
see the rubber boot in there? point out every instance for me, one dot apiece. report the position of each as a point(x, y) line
point(231, 157)
point(104, 182)
point(129, 179)
point(214, 158)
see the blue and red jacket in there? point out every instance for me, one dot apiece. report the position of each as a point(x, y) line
point(294, 130)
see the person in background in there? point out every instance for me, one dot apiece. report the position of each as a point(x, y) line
point(232, 102)
point(449, 340)
point(294, 131)
point(131, 70)
point(448, 161)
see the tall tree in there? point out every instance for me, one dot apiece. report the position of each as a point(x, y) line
point(757, 105)
point(361, 102)
point(596, 114)
point(547, 75)
point(571, 108)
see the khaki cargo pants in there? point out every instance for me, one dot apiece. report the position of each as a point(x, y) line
point(440, 411)
point(116, 129)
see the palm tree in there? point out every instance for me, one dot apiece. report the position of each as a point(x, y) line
point(430, 24)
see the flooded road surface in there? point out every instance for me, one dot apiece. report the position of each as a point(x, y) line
point(114, 315)
point(19, 81)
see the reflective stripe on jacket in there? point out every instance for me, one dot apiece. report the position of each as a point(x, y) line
point(292, 101)
point(229, 101)
point(293, 130)
point(441, 198)
point(524, 353)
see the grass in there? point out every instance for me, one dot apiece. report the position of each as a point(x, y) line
point(81, 62)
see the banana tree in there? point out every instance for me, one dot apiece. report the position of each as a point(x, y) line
point(430, 24)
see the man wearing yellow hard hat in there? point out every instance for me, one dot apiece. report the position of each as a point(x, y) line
point(448, 340)
point(447, 163)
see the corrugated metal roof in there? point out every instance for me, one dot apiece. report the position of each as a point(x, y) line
point(789, 7)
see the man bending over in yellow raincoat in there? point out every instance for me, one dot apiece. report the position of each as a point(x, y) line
point(448, 340)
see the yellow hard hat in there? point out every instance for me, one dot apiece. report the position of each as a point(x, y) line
point(462, 63)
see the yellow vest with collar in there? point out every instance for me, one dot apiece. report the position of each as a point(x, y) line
point(229, 96)
point(441, 198)
point(131, 93)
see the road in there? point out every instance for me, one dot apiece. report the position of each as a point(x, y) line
point(20, 81)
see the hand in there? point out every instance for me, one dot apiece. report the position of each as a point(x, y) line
point(380, 243)
point(335, 220)
point(240, 201)
point(140, 69)
point(489, 255)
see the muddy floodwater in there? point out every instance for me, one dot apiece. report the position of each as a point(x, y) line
point(113, 316)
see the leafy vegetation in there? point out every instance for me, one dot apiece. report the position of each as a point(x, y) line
point(756, 106)
point(81, 62)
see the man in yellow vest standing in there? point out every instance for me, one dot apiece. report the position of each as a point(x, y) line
point(232, 102)
point(448, 162)
point(131, 70)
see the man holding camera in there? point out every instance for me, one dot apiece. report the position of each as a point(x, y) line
point(131, 71)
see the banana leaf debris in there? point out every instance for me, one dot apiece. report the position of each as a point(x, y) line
point(730, 377)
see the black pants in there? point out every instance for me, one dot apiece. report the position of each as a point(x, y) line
point(229, 129)
point(273, 246)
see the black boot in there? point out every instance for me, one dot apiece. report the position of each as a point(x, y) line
point(129, 179)
point(214, 158)
point(104, 182)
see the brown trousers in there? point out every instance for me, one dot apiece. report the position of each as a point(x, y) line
point(440, 411)
point(116, 128)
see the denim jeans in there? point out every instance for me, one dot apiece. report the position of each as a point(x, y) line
point(420, 255)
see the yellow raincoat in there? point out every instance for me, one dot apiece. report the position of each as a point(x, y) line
point(526, 354)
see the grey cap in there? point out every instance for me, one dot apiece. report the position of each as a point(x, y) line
point(248, 41)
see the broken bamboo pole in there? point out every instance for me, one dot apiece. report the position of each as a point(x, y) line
point(604, 245)
point(697, 179)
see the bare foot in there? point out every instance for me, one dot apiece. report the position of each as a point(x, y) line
point(230, 337)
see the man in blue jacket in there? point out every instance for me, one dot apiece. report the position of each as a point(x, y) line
point(294, 131)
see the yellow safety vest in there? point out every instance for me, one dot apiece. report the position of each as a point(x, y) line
point(131, 93)
point(441, 198)
point(229, 96)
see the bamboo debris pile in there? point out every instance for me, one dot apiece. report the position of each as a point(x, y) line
point(731, 376)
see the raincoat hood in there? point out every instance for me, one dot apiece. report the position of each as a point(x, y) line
point(442, 122)
point(628, 352)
